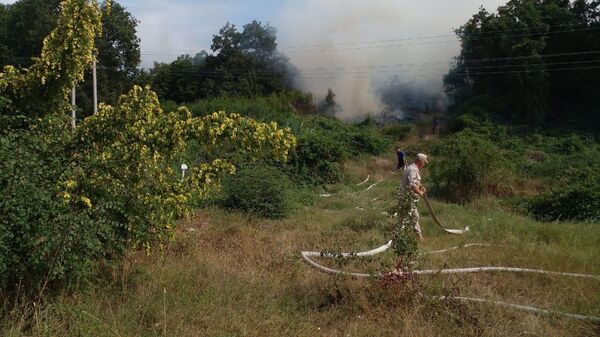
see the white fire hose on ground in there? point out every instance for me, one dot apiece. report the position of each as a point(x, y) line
point(364, 182)
point(307, 257)
point(328, 195)
point(437, 221)
point(545, 312)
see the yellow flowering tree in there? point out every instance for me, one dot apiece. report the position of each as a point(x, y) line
point(126, 156)
point(73, 201)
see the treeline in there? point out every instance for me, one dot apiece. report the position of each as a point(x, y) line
point(242, 63)
point(533, 62)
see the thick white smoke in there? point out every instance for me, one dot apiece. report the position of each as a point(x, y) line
point(354, 70)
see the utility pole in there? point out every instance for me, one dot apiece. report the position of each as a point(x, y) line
point(73, 117)
point(95, 85)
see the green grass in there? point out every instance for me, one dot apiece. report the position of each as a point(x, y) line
point(227, 274)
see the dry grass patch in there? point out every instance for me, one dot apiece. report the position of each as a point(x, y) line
point(234, 275)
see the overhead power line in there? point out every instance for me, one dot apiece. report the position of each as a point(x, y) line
point(478, 34)
point(508, 58)
point(471, 60)
point(365, 75)
point(540, 34)
point(326, 50)
point(448, 38)
point(467, 61)
point(479, 73)
point(178, 52)
point(475, 36)
point(373, 70)
point(527, 71)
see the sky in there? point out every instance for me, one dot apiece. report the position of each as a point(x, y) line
point(359, 44)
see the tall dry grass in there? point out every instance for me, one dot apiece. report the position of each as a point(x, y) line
point(227, 274)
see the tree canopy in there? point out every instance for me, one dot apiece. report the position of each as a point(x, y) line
point(534, 62)
point(241, 63)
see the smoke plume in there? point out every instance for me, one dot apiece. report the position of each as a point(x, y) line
point(357, 47)
point(408, 101)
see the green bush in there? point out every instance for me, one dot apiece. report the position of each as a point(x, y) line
point(277, 107)
point(404, 240)
point(169, 105)
point(42, 237)
point(356, 139)
point(72, 203)
point(399, 132)
point(367, 141)
point(323, 142)
point(466, 165)
point(577, 197)
point(316, 159)
point(259, 189)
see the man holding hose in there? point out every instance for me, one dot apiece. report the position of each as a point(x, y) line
point(411, 184)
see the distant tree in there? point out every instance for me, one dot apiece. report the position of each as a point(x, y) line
point(248, 63)
point(259, 44)
point(502, 63)
point(25, 25)
point(181, 80)
point(4, 50)
point(242, 63)
point(328, 106)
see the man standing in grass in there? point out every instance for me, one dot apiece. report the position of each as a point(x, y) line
point(411, 189)
point(435, 130)
point(401, 158)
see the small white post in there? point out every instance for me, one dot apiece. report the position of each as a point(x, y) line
point(184, 167)
point(95, 85)
point(73, 112)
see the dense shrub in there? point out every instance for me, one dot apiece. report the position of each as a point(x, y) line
point(575, 197)
point(323, 142)
point(560, 170)
point(356, 139)
point(466, 166)
point(316, 159)
point(367, 141)
point(259, 189)
point(72, 202)
point(399, 132)
point(404, 241)
point(42, 237)
point(277, 107)
point(169, 105)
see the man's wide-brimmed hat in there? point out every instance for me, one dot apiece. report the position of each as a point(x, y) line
point(423, 158)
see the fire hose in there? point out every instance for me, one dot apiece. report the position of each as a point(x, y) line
point(307, 257)
point(437, 221)
point(364, 182)
point(327, 195)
